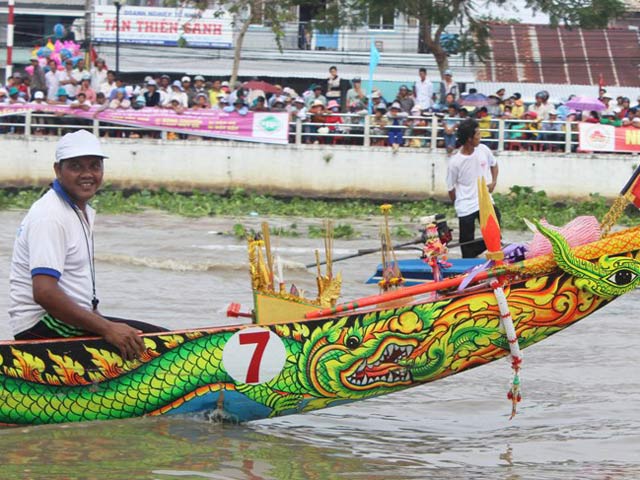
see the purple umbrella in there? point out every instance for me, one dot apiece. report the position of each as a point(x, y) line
point(586, 104)
point(476, 100)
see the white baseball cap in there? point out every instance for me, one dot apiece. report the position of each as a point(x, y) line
point(78, 144)
point(38, 95)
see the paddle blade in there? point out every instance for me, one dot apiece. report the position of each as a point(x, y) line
point(489, 225)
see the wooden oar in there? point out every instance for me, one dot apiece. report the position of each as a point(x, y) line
point(403, 293)
point(367, 251)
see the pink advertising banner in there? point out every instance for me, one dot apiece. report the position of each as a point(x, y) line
point(265, 127)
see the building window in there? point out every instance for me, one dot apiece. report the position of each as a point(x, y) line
point(381, 20)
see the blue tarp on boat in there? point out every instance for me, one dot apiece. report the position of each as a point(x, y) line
point(415, 270)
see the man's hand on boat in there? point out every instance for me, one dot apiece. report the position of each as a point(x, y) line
point(58, 304)
point(125, 338)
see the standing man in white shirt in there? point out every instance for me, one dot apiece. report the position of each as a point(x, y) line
point(472, 161)
point(67, 79)
point(423, 90)
point(53, 84)
point(98, 75)
point(109, 85)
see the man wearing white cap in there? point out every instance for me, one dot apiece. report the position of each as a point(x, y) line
point(52, 285)
point(177, 93)
point(188, 90)
point(198, 87)
point(448, 86)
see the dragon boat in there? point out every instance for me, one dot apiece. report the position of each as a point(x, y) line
point(299, 355)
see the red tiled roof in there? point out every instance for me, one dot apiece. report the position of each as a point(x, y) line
point(544, 54)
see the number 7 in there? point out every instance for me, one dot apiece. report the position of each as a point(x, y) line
point(260, 339)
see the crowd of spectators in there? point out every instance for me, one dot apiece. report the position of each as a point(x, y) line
point(332, 111)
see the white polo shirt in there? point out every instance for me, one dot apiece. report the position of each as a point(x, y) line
point(52, 240)
point(424, 92)
point(463, 174)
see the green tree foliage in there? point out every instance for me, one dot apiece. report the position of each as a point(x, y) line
point(435, 16)
point(582, 13)
point(244, 13)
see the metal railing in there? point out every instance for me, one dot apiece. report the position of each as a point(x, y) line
point(429, 132)
point(51, 124)
point(356, 129)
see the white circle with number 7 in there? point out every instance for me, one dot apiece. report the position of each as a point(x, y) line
point(254, 355)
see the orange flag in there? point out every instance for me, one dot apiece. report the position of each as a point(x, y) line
point(489, 225)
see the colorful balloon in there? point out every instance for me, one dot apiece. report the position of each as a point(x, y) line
point(71, 46)
point(44, 52)
point(58, 30)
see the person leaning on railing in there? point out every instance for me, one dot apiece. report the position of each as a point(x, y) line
point(571, 125)
point(416, 128)
point(152, 95)
point(357, 120)
point(36, 119)
point(551, 132)
point(379, 122)
point(451, 123)
point(334, 121)
point(81, 102)
point(395, 128)
point(316, 116)
point(485, 124)
point(517, 108)
point(279, 104)
point(609, 118)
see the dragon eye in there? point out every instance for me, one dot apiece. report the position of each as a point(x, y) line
point(352, 342)
point(622, 277)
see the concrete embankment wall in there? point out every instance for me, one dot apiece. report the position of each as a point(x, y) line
point(311, 170)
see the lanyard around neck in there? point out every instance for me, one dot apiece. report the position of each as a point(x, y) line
point(86, 231)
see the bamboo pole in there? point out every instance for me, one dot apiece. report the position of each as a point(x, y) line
point(267, 246)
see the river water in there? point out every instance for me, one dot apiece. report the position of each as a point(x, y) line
point(580, 416)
